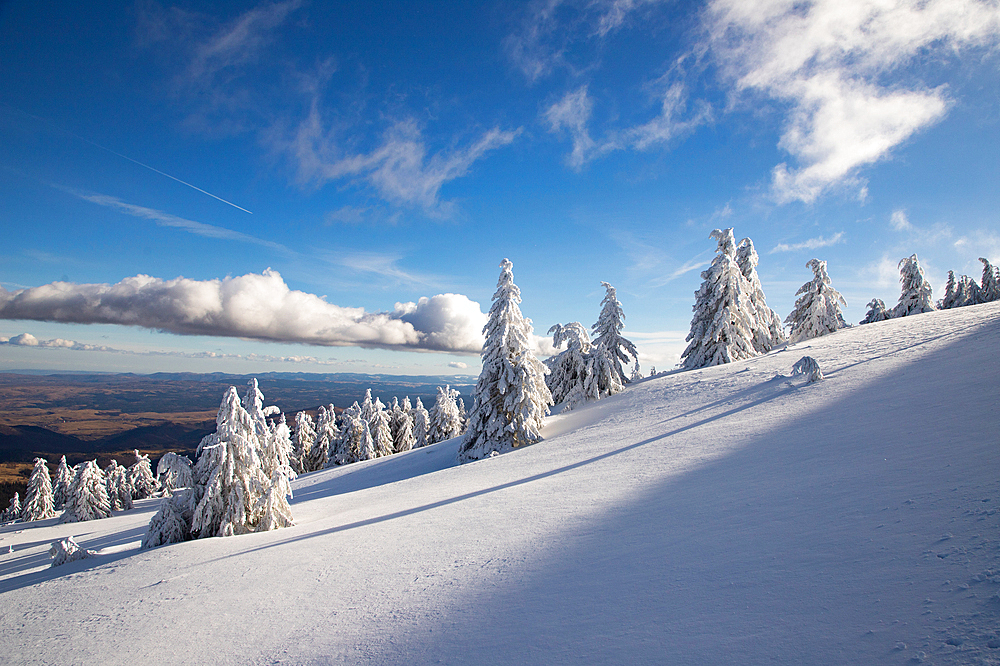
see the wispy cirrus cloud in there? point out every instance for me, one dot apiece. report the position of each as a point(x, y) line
point(167, 220)
point(810, 244)
point(253, 306)
point(400, 169)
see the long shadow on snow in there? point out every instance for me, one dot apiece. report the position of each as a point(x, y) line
point(511, 484)
point(797, 548)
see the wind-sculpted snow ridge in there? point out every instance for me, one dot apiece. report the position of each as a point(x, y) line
point(732, 514)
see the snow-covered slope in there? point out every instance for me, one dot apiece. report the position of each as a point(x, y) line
point(731, 515)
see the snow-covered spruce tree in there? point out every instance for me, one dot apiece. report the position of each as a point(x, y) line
point(990, 286)
point(876, 312)
point(950, 292)
point(368, 407)
point(326, 432)
point(303, 440)
point(767, 328)
point(174, 471)
point(510, 399)
point(968, 292)
point(357, 438)
point(722, 328)
point(88, 495)
point(141, 479)
point(610, 349)
point(278, 450)
point(13, 510)
point(253, 402)
point(568, 370)
point(446, 422)
point(817, 310)
point(273, 508)
point(119, 486)
point(916, 296)
point(38, 499)
point(404, 439)
point(60, 488)
point(381, 434)
point(172, 523)
point(636, 372)
point(228, 475)
point(421, 425)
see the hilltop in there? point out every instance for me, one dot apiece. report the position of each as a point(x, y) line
point(734, 514)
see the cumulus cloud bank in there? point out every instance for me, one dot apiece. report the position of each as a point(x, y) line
point(254, 306)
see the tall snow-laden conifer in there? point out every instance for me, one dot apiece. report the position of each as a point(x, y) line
point(421, 425)
point(38, 500)
point(140, 477)
point(445, 420)
point(990, 287)
point(303, 440)
point(722, 329)
point(404, 439)
point(610, 349)
point(174, 471)
point(510, 398)
point(229, 474)
point(278, 451)
point(60, 488)
point(817, 310)
point(876, 312)
point(88, 495)
point(119, 486)
point(381, 434)
point(326, 433)
point(916, 296)
point(13, 510)
point(569, 370)
point(767, 329)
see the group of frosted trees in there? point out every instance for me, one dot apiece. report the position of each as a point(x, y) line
point(84, 492)
point(370, 429)
point(732, 321)
point(591, 370)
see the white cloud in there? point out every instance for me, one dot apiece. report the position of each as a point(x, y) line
point(899, 221)
point(831, 60)
point(256, 306)
point(811, 244)
point(167, 220)
point(399, 169)
point(458, 365)
point(28, 340)
point(572, 114)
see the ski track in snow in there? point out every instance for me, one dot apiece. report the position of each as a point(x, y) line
point(733, 514)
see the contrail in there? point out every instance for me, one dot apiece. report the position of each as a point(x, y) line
point(126, 157)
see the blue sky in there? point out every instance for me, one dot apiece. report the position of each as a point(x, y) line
point(326, 187)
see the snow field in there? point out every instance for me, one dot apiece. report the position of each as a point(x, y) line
point(733, 514)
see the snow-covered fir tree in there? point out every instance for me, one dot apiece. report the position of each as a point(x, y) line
point(570, 369)
point(273, 508)
point(381, 434)
point(357, 438)
point(510, 398)
point(876, 312)
point(421, 425)
point(88, 495)
point(228, 475)
point(303, 440)
point(119, 485)
point(968, 292)
point(404, 439)
point(446, 422)
point(253, 402)
point(722, 328)
point(39, 503)
point(141, 478)
point(950, 293)
point(13, 510)
point(172, 522)
point(916, 296)
point(990, 286)
point(610, 349)
point(767, 328)
point(278, 450)
point(368, 407)
point(174, 471)
point(326, 432)
point(636, 372)
point(60, 487)
point(817, 310)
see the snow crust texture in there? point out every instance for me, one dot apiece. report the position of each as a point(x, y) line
point(734, 514)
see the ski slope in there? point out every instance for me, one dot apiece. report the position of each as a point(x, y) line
point(730, 515)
